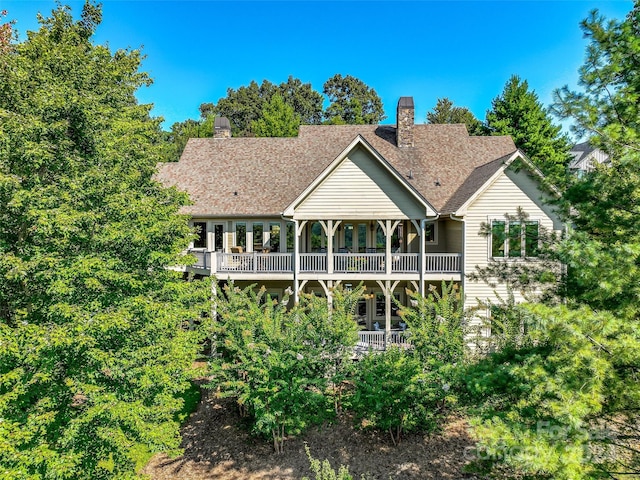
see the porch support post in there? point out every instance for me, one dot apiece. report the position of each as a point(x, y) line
point(214, 262)
point(389, 228)
point(421, 262)
point(329, 233)
point(387, 311)
point(387, 246)
point(387, 289)
point(327, 287)
point(296, 262)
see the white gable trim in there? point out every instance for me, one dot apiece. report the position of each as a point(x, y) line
point(359, 141)
point(517, 155)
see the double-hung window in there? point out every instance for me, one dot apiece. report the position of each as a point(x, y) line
point(514, 238)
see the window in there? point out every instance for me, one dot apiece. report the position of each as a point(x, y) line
point(531, 239)
point(218, 237)
point(258, 230)
point(274, 237)
point(241, 235)
point(316, 236)
point(381, 305)
point(430, 233)
point(514, 239)
point(200, 230)
point(291, 233)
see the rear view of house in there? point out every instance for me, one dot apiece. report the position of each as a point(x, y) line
point(396, 207)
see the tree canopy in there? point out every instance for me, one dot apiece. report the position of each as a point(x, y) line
point(245, 105)
point(277, 120)
point(564, 404)
point(605, 206)
point(446, 112)
point(518, 112)
point(607, 109)
point(352, 102)
point(94, 349)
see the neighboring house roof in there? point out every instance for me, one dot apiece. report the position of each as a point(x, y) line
point(262, 176)
point(583, 156)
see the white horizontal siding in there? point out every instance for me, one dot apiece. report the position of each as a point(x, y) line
point(510, 191)
point(360, 188)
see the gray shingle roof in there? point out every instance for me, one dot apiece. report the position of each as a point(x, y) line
point(579, 151)
point(262, 176)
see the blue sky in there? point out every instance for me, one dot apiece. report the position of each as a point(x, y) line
point(464, 50)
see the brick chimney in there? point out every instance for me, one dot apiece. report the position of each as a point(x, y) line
point(221, 128)
point(405, 119)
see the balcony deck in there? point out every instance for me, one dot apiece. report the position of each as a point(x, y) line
point(316, 263)
point(379, 340)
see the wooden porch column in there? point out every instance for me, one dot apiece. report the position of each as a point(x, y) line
point(329, 233)
point(422, 259)
point(327, 287)
point(387, 309)
point(387, 288)
point(387, 246)
point(296, 262)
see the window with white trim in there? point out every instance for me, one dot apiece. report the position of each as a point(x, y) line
point(200, 230)
point(430, 233)
point(514, 238)
point(241, 235)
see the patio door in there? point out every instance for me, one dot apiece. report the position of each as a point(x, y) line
point(218, 237)
point(355, 237)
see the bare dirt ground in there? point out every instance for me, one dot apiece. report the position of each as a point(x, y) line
point(216, 446)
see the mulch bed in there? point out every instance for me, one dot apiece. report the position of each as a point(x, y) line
point(217, 446)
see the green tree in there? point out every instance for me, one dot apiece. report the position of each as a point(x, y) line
point(437, 325)
point(607, 108)
point(605, 206)
point(306, 102)
point(6, 32)
point(565, 404)
point(393, 393)
point(175, 140)
point(446, 112)
point(278, 363)
point(245, 105)
point(352, 102)
point(95, 347)
point(519, 113)
point(277, 120)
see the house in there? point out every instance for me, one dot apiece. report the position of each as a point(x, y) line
point(585, 158)
point(394, 206)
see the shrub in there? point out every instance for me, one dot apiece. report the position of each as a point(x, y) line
point(278, 363)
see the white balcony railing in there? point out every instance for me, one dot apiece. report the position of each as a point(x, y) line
point(379, 340)
point(404, 262)
point(203, 258)
point(313, 262)
point(443, 263)
point(374, 263)
point(358, 262)
point(254, 262)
